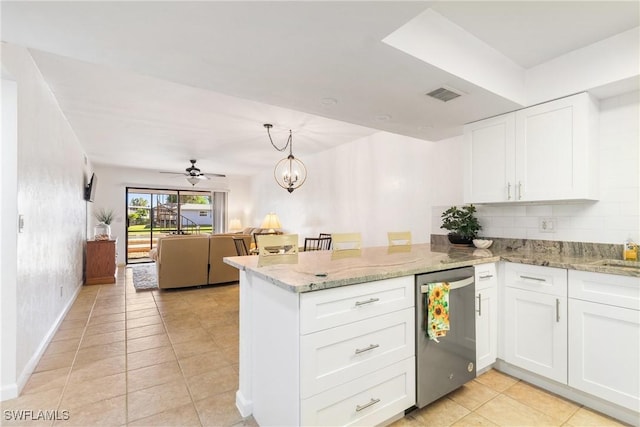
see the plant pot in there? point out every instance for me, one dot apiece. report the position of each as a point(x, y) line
point(457, 239)
point(102, 231)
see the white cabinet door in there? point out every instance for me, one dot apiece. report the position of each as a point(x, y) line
point(486, 327)
point(490, 161)
point(536, 332)
point(603, 350)
point(554, 152)
point(486, 315)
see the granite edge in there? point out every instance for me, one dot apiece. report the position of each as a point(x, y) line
point(522, 252)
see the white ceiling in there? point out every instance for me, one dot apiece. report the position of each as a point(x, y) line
point(153, 84)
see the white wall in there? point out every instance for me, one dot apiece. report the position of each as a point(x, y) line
point(613, 219)
point(373, 185)
point(601, 64)
point(111, 194)
point(8, 240)
point(50, 183)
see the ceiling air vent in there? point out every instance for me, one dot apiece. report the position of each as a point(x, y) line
point(445, 94)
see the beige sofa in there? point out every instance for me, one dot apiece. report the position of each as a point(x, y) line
point(195, 260)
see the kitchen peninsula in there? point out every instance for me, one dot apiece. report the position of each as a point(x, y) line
point(295, 317)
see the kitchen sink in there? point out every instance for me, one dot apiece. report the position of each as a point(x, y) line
point(618, 263)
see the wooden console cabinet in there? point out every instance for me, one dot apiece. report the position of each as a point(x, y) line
point(100, 262)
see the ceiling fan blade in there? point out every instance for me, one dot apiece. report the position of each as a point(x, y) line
point(217, 175)
point(173, 173)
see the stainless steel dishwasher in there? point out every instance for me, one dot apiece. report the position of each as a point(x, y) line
point(443, 366)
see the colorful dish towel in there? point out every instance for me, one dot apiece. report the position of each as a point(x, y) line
point(437, 310)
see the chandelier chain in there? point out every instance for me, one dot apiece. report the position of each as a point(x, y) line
point(288, 144)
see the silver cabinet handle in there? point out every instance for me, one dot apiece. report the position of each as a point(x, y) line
point(369, 301)
point(537, 279)
point(508, 191)
point(488, 276)
point(479, 304)
point(366, 405)
point(371, 347)
point(557, 310)
point(519, 190)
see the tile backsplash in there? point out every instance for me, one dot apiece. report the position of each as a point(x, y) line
point(549, 247)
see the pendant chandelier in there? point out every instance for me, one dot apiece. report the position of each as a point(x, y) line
point(290, 173)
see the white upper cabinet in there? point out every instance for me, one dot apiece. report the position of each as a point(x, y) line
point(491, 157)
point(542, 153)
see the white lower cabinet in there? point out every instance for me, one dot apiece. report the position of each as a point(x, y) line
point(536, 319)
point(604, 337)
point(367, 400)
point(334, 356)
point(357, 353)
point(486, 281)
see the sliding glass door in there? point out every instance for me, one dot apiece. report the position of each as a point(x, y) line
point(152, 213)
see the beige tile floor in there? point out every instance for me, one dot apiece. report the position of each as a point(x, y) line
point(170, 358)
point(496, 399)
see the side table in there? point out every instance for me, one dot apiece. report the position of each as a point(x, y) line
point(100, 267)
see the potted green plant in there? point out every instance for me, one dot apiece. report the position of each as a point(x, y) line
point(462, 224)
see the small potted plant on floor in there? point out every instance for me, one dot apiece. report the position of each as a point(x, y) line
point(462, 224)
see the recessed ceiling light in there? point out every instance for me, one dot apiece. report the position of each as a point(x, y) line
point(328, 101)
point(383, 118)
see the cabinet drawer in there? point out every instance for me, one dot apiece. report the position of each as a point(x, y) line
point(611, 289)
point(335, 356)
point(368, 400)
point(546, 280)
point(338, 306)
point(485, 276)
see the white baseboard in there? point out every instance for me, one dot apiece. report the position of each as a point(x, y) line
point(9, 391)
point(245, 407)
point(23, 377)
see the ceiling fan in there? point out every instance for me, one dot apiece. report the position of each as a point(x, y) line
point(194, 175)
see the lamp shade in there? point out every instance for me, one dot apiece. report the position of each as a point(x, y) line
point(193, 180)
point(235, 225)
point(271, 221)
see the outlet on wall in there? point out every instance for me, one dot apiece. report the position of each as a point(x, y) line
point(547, 224)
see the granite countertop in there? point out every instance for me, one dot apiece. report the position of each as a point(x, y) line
point(326, 269)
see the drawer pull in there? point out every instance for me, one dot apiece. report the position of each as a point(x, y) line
point(557, 310)
point(537, 279)
point(371, 347)
point(366, 405)
point(479, 304)
point(488, 276)
point(369, 301)
point(508, 191)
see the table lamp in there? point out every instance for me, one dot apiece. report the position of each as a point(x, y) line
point(235, 225)
point(271, 222)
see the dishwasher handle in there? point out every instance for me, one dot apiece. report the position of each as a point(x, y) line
point(452, 285)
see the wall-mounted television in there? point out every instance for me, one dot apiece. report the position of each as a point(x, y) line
point(90, 188)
